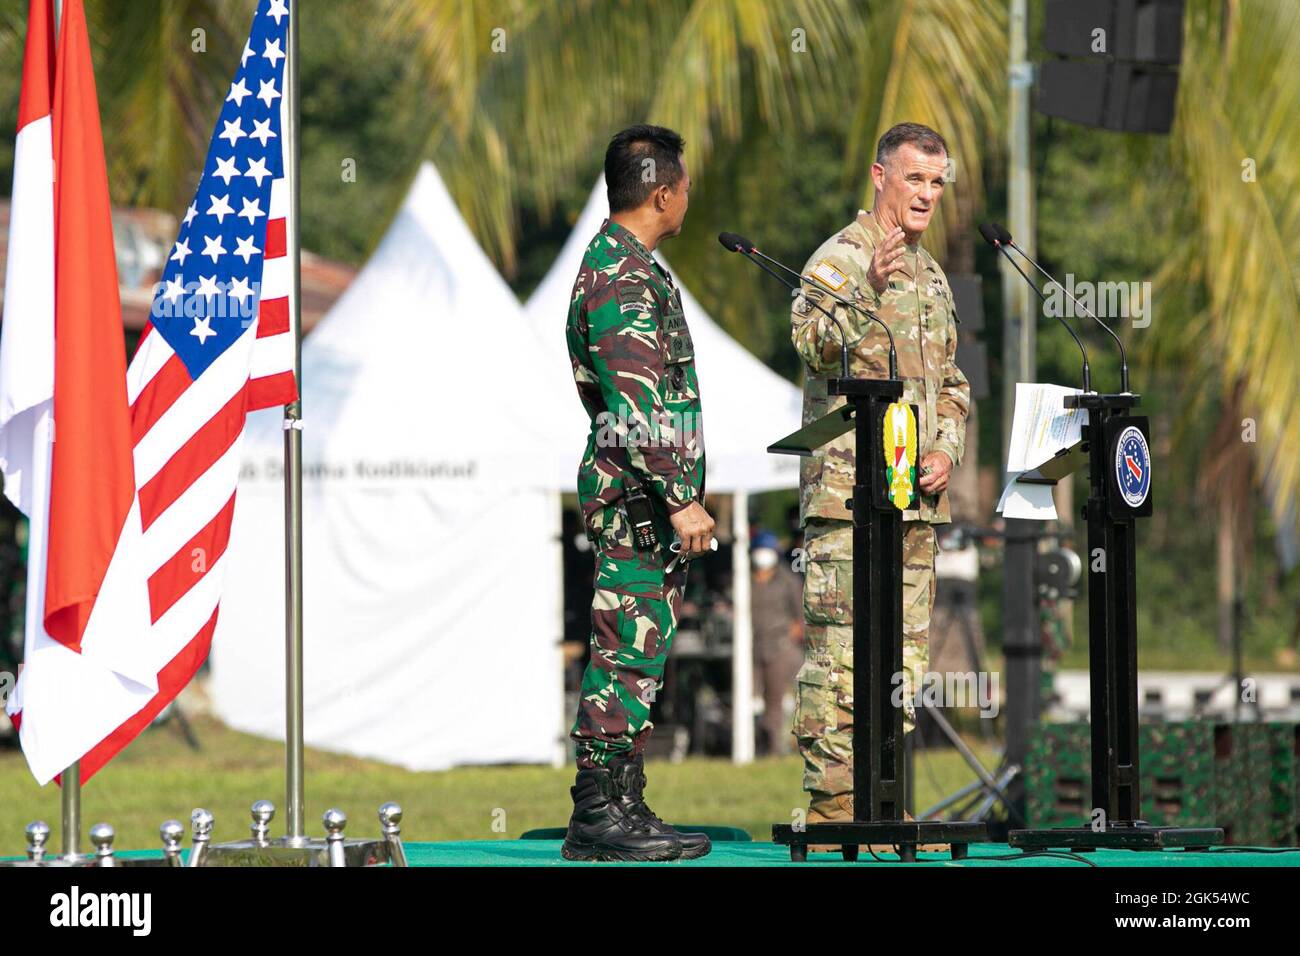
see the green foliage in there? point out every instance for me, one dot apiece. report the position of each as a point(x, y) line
point(1177, 609)
point(736, 193)
point(355, 122)
point(13, 27)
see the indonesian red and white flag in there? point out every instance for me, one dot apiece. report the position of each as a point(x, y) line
point(128, 476)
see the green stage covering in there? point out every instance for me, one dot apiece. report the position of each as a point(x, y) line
point(547, 853)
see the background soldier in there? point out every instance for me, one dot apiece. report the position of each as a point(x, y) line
point(876, 260)
point(634, 365)
point(776, 610)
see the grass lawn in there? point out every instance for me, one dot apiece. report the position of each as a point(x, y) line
point(158, 777)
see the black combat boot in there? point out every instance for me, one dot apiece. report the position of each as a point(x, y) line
point(600, 829)
point(629, 777)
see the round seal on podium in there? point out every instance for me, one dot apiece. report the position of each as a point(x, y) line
point(1133, 466)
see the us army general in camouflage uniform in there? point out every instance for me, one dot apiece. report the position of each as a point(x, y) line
point(634, 365)
point(877, 260)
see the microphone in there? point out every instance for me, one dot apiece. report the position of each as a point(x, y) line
point(999, 239)
point(738, 243)
point(734, 243)
point(1005, 238)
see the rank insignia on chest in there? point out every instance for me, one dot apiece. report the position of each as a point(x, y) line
point(829, 276)
point(899, 433)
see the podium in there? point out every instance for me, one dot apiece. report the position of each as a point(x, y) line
point(882, 490)
point(1117, 445)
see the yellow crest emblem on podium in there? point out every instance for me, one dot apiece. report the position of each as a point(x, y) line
point(900, 455)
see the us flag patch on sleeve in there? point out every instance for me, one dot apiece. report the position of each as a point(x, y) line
point(829, 276)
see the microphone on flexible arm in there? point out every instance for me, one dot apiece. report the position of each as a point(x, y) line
point(738, 243)
point(999, 239)
point(734, 243)
point(1005, 238)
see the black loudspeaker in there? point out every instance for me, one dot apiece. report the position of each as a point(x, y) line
point(1121, 77)
point(1069, 27)
point(1115, 96)
point(1134, 31)
point(968, 298)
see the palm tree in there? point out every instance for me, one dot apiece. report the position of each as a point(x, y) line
point(163, 68)
point(520, 95)
point(531, 91)
point(1230, 294)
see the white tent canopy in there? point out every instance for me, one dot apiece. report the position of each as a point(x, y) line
point(431, 519)
point(746, 406)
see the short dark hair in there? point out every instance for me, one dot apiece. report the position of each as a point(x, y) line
point(625, 164)
point(922, 137)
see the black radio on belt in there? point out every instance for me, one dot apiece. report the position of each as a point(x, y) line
point(640, 514)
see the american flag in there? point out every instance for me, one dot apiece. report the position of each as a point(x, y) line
point(228, 271)
point(219, 344)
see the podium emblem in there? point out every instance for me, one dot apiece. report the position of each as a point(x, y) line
point(900, 455)
point(1133, 466)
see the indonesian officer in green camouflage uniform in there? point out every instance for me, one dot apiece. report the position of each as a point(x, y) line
point(876, 260)
point(634, 365)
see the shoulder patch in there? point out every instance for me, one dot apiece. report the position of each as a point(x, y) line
point(633, 295)
point(829, 276)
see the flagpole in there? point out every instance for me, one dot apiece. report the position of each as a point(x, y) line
point(295, 798)
point(70, 779)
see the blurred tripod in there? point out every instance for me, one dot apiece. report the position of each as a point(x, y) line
point(1056, 576)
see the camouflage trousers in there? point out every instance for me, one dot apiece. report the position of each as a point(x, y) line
point(823, 716)
point(634, 614)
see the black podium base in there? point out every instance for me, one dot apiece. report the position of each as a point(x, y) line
point(904, 834)
point(1137, 836)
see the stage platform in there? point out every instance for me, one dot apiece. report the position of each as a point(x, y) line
point(531, 853)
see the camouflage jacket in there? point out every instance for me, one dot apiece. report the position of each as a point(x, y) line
point(634, 365)
point(918, 308)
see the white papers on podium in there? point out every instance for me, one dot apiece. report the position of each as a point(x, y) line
point(1045, 439)
point(1021, 499)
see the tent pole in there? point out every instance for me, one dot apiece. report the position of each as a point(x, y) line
point(742, 637)
point(560, 757)
point(295, 798)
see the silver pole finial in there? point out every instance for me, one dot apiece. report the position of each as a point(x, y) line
point(335, 820)
point(263, 812)
point(200, 835)
point(172, 832)
point(390, 818)
point(38, 832)
point(101, 838)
